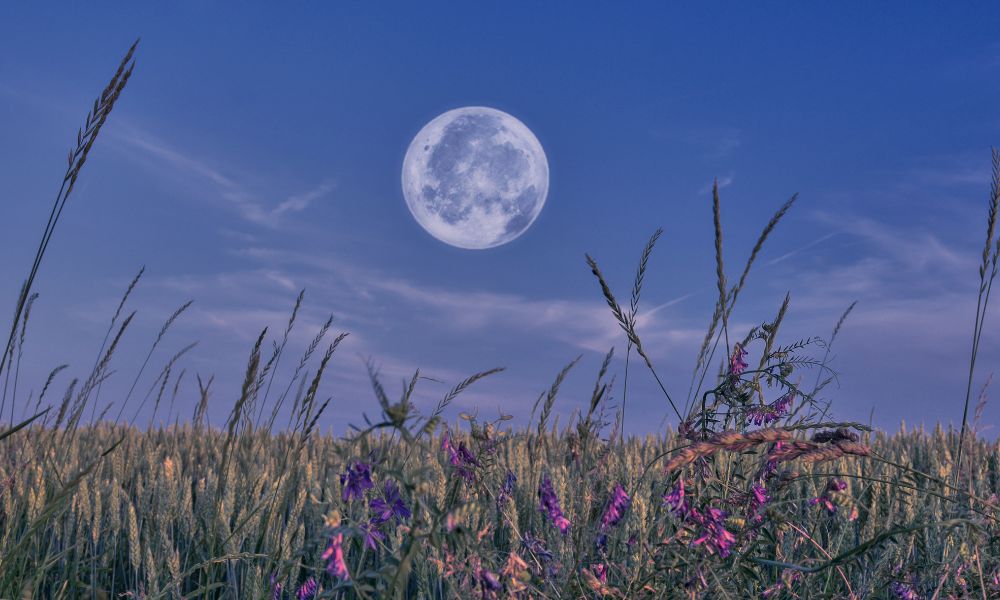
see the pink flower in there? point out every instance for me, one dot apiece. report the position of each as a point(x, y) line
point(307, 591)
point(549, 504)
point(334, 557)
point(616, 508)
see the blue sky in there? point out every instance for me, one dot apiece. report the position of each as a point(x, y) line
point(257, 152)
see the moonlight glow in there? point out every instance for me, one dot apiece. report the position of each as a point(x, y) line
point(475, 177)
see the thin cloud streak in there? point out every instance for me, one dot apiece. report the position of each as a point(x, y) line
point(243, 200)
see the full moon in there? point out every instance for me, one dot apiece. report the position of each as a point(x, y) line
point(475, 177)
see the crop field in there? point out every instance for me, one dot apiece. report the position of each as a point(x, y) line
point(486, 512)
point(753, 492)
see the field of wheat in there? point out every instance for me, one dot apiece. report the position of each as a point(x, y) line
point(755, 492)
point(194, 512)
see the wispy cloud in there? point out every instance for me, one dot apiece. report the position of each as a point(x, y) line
point(182, 167)
point(302, 201)
point(800, 249)
point(722, 183)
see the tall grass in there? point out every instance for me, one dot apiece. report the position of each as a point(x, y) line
point(754, 493)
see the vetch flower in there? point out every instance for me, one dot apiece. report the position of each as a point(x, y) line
point(549, 504)
point(617, 505)
point(276, 588)
point(737, 363)
point(765, 414)
point(372, 534)
point(826, 499)
point(307, 591)
point(461, 458)
point(675, 500)
point(506, 490)
point(356, 480)
point(714, 535)
point(711, 523)
point(758, 497)
point(391, 506)
point(334, 557)
point(489, 580)
point(904, 591)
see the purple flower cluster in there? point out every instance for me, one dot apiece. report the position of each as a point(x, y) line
point(334, 557)
point(307, 591)
point(506, 490)
point(356, 480)
point(758, 498)
point(488, 580)
point(372, 534)
point(384, 509)
point(904, 591)
point(391, 506)
point(766, 414)
point(714, 534)
point(738, 363)
point(617, 505)
point(549, 504)
point(710, 522)
point(276, 588)
point(826, 498)
point(461, 458)
point(676, 501)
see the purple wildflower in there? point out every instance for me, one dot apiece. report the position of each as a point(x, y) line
point(334, 557)
point(372, 534)
point(391, 506)
point(461, 458)
point(825, 502)
point(507, 489)
point(676, 501)
point(758, 497)
point(307, 591)
point(714, 534)
point(826, 499)
point(276, 588)
point(616, 508)
point(549, 504)
point(738, 363)
point(765, 414)
point(489, 580)
point(904, 591)
point(447, 446)
point(356, 480)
